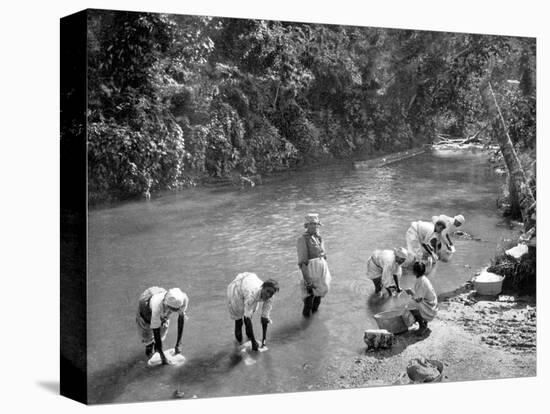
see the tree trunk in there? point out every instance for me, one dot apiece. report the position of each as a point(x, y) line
point(516, 174)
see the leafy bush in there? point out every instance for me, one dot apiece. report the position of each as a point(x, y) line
point(123, 161)
point(521, 275)
point(224, 130)
point(266, 150)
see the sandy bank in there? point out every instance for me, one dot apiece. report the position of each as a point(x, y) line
point(475, 338)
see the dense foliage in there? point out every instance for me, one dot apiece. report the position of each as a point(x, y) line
point(176, 98)
point(520, 274)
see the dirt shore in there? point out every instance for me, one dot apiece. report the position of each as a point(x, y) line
point(474, 337)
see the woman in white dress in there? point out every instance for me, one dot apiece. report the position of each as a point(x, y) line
point(244, 294)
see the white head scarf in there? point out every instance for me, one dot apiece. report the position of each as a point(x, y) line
point(175, 298)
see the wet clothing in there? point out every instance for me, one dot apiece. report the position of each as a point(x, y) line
point(427, 307)
point(243, 295)
point(311, 253)
point(382, 265)
point(146, 333)
point(421, 232)
point(320, 278)
point(151, 314)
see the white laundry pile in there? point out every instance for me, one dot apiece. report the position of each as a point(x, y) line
point(517, 251)
point(488, 277)
point(177, 360)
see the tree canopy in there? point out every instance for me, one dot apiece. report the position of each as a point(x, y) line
point(172, 98)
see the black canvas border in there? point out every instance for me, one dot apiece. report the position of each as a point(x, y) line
point(73, 207)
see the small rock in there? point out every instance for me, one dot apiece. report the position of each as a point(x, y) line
point(378, 338)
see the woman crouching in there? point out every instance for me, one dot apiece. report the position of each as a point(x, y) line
point(423, 303)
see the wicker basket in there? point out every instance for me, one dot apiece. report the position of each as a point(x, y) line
point(488, 288)
point(392, 321)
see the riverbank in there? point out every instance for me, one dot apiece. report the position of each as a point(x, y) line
point(476, 338)
point(236, 180)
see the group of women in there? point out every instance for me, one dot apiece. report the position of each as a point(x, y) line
point(427, 242)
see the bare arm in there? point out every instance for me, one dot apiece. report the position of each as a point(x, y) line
point(396, 280)
point(181, 322)
point(265, 322)
point(428, 248)
point(158, 346)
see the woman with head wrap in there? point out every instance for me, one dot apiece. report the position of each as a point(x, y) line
point(244, 294)
point(313, 265)
point(451, 224)
point(424, 240)
point(423, 303)
point(154, 309)
point(384, 269)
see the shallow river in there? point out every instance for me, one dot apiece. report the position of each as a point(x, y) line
point(199, 240)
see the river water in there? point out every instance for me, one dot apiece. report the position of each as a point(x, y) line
point(201, 239)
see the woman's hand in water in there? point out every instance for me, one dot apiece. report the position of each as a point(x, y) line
point(167, 361)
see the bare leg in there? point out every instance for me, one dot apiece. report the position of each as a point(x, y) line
point(308, 303)
point(316, 303)
point(239, 330)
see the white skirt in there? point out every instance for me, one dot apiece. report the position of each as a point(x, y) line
point(320, 278)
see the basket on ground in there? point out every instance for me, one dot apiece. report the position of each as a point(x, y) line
point(488, 286)
point(392, 321)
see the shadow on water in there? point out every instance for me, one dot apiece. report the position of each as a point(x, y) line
point(208, 369)
point(111, 382)
point(289, 331)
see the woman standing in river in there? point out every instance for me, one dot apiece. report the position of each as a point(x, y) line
point(313, 265)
